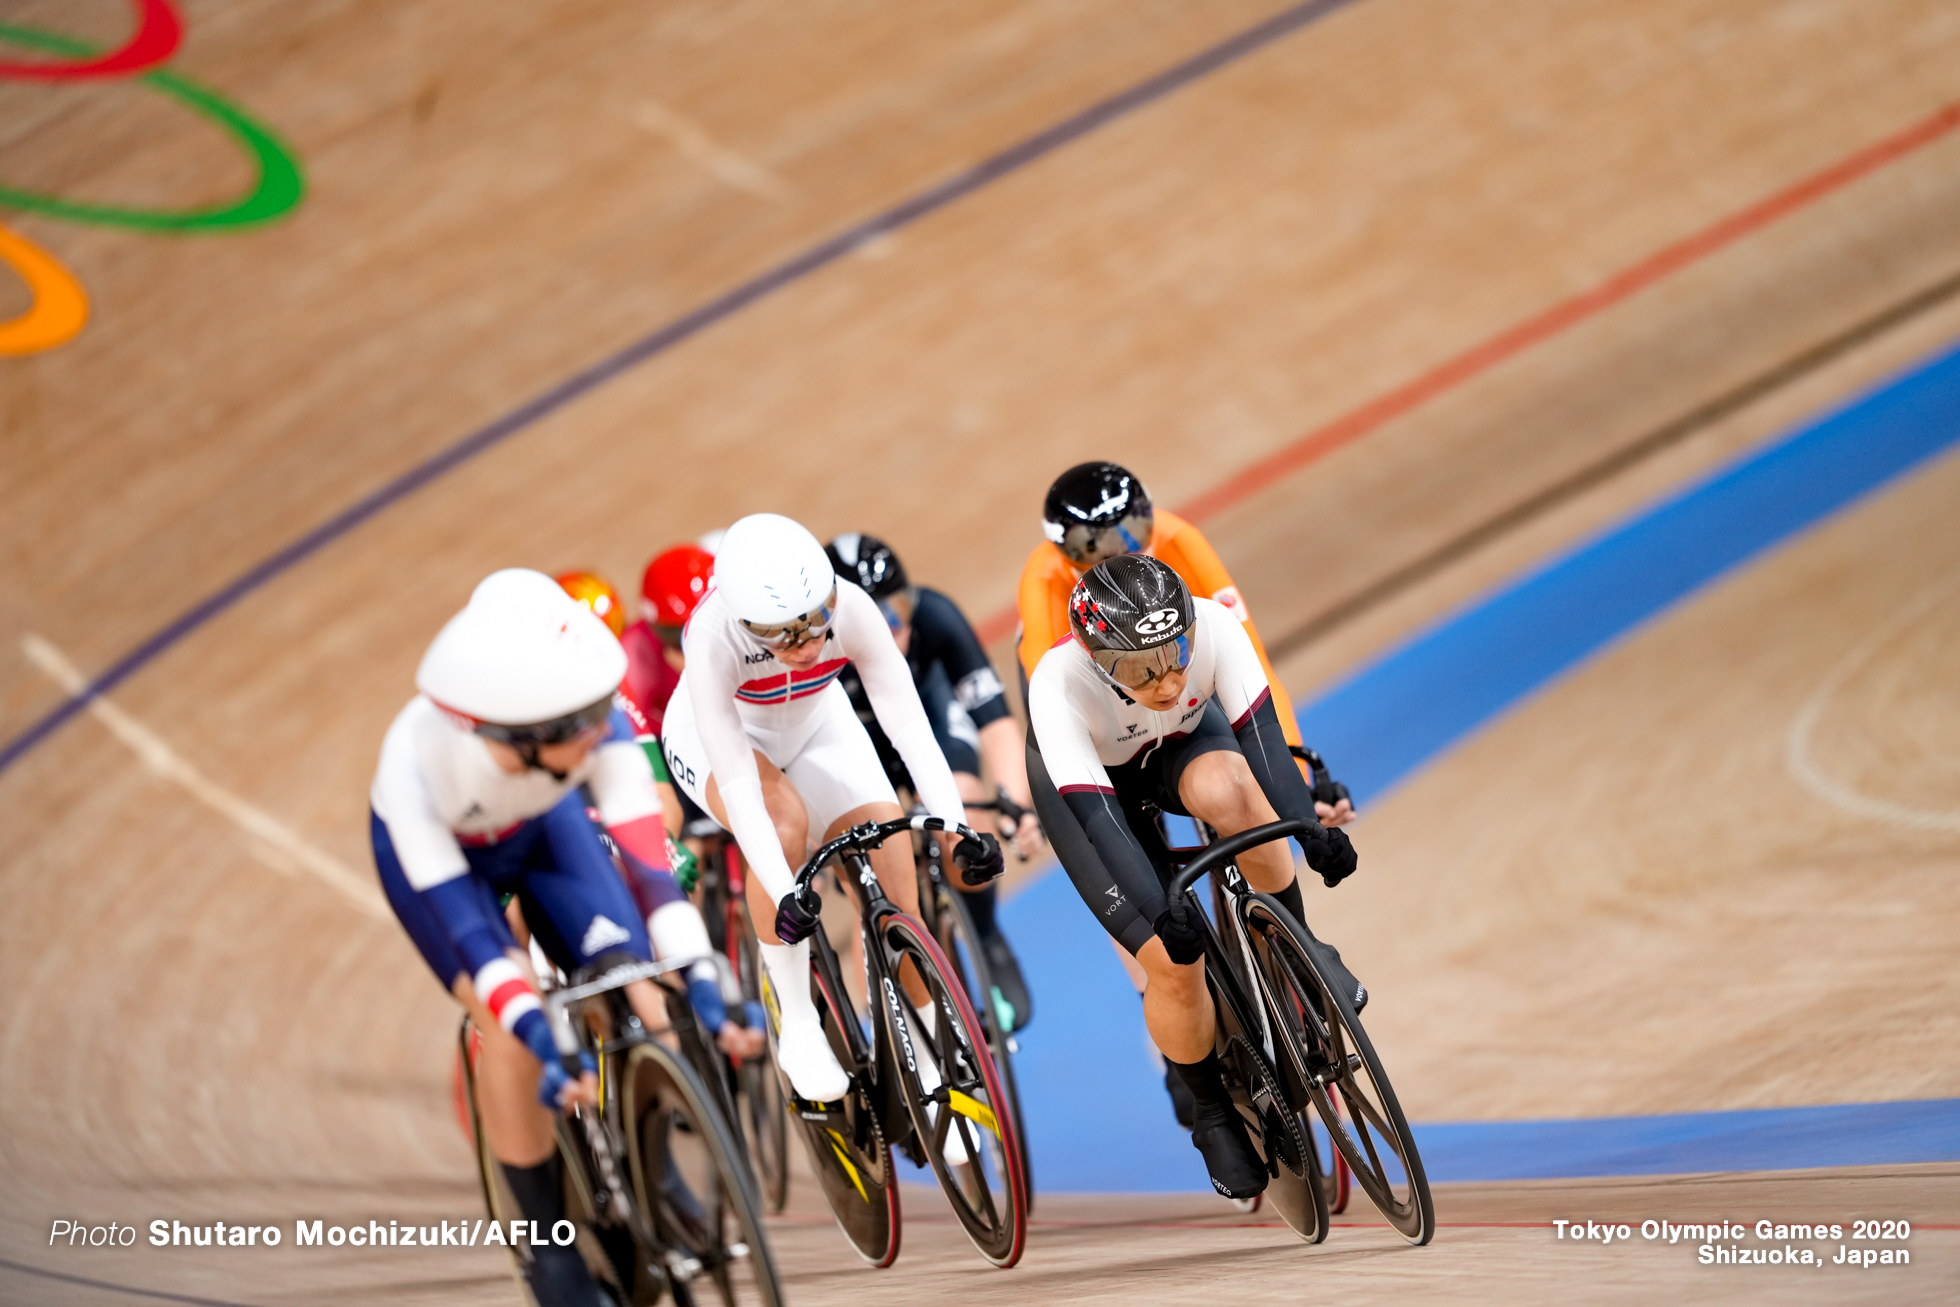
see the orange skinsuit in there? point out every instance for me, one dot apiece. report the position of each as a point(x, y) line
point(1049, 578)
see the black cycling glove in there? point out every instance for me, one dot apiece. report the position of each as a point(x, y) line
point(797, 916)
point(978, 858)
point(1331, 854)
point(1184, 938)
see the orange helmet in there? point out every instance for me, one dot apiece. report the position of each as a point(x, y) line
point(596, 593)
point(674, 584)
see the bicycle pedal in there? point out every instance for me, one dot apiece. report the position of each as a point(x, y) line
point(814, 1111)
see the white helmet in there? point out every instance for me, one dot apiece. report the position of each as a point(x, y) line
point(776, 580)
point(523, 654)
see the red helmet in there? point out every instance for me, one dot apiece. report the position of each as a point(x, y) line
point(674, 584)
point(596, 593)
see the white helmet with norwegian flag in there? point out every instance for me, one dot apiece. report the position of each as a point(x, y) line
point(523, 654)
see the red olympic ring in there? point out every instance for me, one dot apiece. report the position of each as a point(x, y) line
point(158, 33)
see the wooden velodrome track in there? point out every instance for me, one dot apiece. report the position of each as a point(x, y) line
point(1617, 899)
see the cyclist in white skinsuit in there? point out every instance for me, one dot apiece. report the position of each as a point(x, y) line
point(760, 735)
point(1158, 703)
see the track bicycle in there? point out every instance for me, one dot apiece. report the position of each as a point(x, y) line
point(759, 1105)
point(655, 1179)
point(942, 907)
point(1290, 1042)
point(922, 1079)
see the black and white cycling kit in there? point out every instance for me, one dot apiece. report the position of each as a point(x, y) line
point(957, 684)
point(1100, 764)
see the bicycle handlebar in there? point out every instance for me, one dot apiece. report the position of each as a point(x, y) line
point(871, 834)
point(1326, 789)
point(1223, 851)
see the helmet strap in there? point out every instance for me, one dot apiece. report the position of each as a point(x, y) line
point(528, 752)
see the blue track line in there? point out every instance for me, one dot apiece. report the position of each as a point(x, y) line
point(691, 324)
point(1095, 1121)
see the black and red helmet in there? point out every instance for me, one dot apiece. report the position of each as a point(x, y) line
point(1135, 617)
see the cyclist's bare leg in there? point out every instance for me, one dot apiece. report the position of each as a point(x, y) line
point(1218, 788)
point(897, 874)
point(1176, 1005)
point(786, 810)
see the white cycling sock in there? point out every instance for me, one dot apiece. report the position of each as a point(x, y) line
point(929, 1077)
point(800, 1042)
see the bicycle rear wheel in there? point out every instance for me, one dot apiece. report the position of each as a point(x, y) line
point(690, 1178)
point(959, 940)
point(1332, 1057)
point(968, 1114)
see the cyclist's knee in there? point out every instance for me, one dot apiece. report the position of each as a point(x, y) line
point(1220, 788)
point(1171, 977)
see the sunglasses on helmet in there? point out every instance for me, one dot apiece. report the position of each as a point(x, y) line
point(558, 730)
point(1086, 545)
point(1134, 669)
point(784, 636)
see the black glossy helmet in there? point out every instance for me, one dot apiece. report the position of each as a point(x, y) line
point(1096, 511)
point(871, 563)
point(1135, 617)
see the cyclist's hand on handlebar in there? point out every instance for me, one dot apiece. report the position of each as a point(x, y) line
point(1028, 839)
point(1183, 938)
point(558, 1088)
point(1332, 855)
point(1335, 814)
point(797, 916)
point(978, 858)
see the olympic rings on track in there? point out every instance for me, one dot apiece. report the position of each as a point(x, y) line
point(60, 305)
point(280, 183)
point(158, 33)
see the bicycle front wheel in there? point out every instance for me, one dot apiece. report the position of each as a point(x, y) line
point(958, 1105)
point(1331, 1055)
point(960, 941)
point(690, 1178)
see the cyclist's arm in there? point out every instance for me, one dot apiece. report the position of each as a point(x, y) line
point(712, 676)
point(953, 642)
point(1191, 556)
point(630, 806)
point(867, 641)
point(436, 870)
point(1247, 699)
point(1069, 752)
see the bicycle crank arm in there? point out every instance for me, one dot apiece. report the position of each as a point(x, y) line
point(1330, 1073)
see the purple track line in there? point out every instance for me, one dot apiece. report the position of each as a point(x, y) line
point(680, 329)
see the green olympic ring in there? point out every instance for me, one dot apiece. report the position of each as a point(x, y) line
point(280, 183)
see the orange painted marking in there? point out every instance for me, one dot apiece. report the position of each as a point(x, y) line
point(60, 307)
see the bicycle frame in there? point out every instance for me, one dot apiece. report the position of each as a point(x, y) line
point(1247, 1010)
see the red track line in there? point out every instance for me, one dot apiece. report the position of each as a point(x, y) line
point(1487, 354)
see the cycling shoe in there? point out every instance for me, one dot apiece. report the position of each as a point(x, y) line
point(1183, 1105)
point(803, 1051)
point(1341, 977)
point(1009, 987)
point(1236, 1171)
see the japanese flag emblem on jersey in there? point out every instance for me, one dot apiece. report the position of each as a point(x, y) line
point(1233, 604)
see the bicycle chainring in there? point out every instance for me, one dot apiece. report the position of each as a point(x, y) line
point(1280, 1128)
